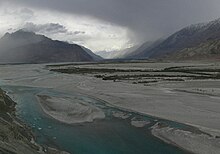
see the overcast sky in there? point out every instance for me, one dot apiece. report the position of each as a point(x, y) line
point(105, 24)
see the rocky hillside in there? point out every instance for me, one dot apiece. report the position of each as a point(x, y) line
point(209, 50)
point(28, 47)
point(189, 38)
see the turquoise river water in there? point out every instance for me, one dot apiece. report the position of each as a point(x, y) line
point(108, 136)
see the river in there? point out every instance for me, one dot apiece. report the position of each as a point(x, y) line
point(108, 136)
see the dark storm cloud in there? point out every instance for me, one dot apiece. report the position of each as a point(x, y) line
point(147, 19)
point(51, 28)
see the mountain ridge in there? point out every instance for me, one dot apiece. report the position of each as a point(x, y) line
point(28, 47)
point(188, 37)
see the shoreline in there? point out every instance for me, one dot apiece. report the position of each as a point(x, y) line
point(68, 112)
point(213, 132)
point(195, 143)
point(208, 132)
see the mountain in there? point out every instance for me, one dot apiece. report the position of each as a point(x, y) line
point(28, 47)
point(191, 37)
point(209, 50)
point(104, 54)
point(117, 54)
point(94, 56)
point(141, 51)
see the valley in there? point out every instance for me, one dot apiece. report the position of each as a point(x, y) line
point(176, 103)
point(109, 77)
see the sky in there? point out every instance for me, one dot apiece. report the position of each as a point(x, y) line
point(105, 25)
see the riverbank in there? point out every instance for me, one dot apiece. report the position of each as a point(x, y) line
point(194, 142)
point(15, 136)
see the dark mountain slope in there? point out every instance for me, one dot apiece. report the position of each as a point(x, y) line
point(28, 47)
point(209, 50)
point(188, 37)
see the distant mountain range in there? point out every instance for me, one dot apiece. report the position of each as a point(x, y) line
point(28, 47)
point(117, 54)
point(199, 41)
point(141, 51)
point(195, 42)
